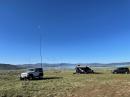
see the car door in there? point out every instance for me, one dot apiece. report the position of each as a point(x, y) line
point(122, 70)
point(36, 72)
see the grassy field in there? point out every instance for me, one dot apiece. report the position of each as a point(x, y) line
point(66, 84)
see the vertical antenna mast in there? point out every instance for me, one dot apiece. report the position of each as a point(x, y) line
point(40, 46)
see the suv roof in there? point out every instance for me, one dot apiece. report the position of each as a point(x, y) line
point(84, 67)
point(33, 69)
point(123, 68)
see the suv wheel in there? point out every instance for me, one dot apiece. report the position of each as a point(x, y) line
point(114, 72)
point(30, 77)
point(21, 78)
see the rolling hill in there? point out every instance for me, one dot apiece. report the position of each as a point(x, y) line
point(9, 67)
point(72, 66)
point(61, 66)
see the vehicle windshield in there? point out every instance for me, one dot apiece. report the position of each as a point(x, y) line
point(31, 69)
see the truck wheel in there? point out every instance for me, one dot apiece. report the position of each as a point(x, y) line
point(30, 77)
point(40, 77)
point(114, 72)
point(21, 78)
point(126, 72)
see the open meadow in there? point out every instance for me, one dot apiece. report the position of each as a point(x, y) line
point(66, 84)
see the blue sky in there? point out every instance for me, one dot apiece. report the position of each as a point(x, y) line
point(73, 31)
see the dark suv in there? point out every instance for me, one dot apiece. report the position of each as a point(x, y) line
point(123, 70)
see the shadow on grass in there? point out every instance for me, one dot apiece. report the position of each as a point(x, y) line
point(48, 78)
point(98, 73)
point(45, 78)
point(90, 73)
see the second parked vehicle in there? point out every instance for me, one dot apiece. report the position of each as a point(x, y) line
point(123, 70)
point(83, 70)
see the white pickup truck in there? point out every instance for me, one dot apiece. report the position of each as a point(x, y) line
point(34, 73)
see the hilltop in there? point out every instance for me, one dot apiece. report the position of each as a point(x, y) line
point(72, 66)
point(9, 67)
point(61, 66)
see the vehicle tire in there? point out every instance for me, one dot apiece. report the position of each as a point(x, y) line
point(40, 78)
point(92, 72)
point(21, 78)
point(114, 72)
point(30, 77)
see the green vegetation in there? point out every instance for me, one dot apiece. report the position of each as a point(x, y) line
point(66, 84)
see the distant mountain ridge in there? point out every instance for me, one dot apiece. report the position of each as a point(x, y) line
point(61, 66)
point(49, 66)
point(9, 67)
point(108, 64)
point(72, 66)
